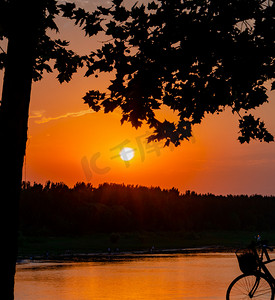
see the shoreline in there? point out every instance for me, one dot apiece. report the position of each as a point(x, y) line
point(101, 245)
point(127, 255)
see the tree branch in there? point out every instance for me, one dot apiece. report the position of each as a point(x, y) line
point(2, 50)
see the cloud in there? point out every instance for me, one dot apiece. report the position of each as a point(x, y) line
point(37, 114)
point(42, 119)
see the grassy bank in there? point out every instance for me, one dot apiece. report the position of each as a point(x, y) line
point(142, 241)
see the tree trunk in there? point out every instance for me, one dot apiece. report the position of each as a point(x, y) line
point(14, 110)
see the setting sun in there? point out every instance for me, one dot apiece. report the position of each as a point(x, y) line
point(127, 154)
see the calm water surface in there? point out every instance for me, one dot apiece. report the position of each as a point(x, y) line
point(199, 276)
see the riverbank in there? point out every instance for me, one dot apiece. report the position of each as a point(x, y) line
point(137, 243)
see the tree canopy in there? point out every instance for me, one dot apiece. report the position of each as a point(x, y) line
point(195, 57)
point(65, 61)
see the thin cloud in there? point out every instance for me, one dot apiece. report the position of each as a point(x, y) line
point(37, 114)
point(43, 119)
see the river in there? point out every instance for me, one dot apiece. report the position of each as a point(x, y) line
point(161, 277)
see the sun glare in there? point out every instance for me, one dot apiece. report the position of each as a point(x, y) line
point(127, 153)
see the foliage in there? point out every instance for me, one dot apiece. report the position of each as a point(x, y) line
point(65, 61)
point(195, 57)
point(56, 209)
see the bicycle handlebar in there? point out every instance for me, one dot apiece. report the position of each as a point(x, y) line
point(262, 244)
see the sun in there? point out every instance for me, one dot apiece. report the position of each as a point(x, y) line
point(127, 153)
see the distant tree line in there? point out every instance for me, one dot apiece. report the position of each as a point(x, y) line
point(56, 209)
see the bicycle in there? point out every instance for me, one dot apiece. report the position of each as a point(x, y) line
point(256, 280)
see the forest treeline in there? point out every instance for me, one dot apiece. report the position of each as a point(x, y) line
point(56, 209)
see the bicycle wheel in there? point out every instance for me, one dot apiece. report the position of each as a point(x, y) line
point(248, 286)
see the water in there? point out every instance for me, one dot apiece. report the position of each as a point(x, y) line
point(192, 276)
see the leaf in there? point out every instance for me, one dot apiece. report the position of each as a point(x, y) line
point(116, 31)
point(109, 105)
point(152, 5)
point(103, 10)
point(67, 63)
point(89, 72)
point(62, 43)
point(117, 2)
point(253, 129)
point(51, 24)
point(80, 16)
point(67, 9)
point(92, 98)
point(92, 29)
point(52, 7)
point(121, 14)
point(125, 118)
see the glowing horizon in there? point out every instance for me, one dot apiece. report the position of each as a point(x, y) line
point(64, 133)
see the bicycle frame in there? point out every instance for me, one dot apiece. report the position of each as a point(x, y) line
point(262, 263)
point(262, 268)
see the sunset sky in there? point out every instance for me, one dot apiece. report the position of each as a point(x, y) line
point(70, 143)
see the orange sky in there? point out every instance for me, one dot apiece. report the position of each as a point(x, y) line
point(64, 136)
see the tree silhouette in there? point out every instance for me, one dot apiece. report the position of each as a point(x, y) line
point(57, 210)
point(26, 26)
point(195, 57)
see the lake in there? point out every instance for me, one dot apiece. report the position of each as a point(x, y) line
point(162, 277)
